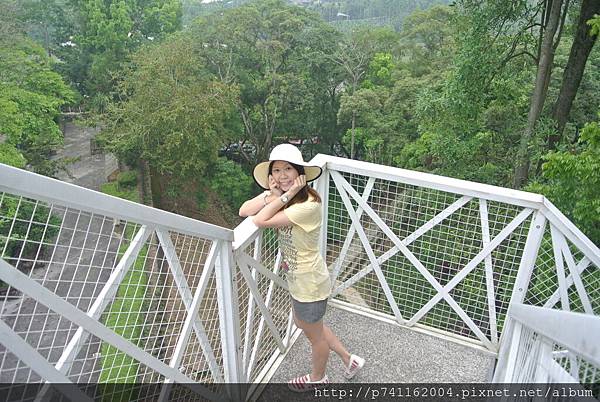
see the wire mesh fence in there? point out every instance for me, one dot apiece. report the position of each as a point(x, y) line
point(564, 263)
point(259, 340)
point(421, 254)
point(118, 272)
point(443, 232)
point(449, 261)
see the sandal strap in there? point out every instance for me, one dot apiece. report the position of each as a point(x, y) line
point(303, 383)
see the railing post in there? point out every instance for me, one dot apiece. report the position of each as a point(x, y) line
point(528, 259)
point(322, 187)
point(229, 319)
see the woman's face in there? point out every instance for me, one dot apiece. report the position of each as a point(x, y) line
point(284, 174)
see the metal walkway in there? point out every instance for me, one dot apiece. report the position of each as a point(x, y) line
point(394, 354)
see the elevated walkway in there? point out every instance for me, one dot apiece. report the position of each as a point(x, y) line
point(98, 289)
point(394, 354)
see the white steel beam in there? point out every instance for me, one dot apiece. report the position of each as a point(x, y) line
point(229, 318)
point(581, 266)
point(261, 306)
point(571, 232)
point(32, 185)
point(532, 245)
point(351, 231)
point(508, 359)
point(192, 306)
point(244, 234)
point(564, 328)
point(250, 309)
point(560, 268)
point(442, 183)
point(574, 275)
point(489, 272)
point(261, 323)
point(247, 260)
point(322, 187)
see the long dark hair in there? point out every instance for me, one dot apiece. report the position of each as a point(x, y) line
point(302, 195)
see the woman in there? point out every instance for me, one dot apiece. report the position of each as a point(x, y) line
point(295, 210)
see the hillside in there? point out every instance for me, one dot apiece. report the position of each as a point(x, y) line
point(343, 14)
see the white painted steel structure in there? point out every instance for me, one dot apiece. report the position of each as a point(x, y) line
point(98, 289)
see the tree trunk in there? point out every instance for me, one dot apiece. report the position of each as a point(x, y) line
point(353, 128)
point(145, 186)
point(580, 51)
point(355, 79)
point(539, 93)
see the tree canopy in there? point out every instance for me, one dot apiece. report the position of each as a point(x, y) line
point(31, 95)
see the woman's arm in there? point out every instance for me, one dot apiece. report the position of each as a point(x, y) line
point(271, 216)
point(252, 206)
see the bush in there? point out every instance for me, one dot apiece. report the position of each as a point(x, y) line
point(127, 179)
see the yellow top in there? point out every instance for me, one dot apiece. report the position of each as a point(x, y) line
point(307, 275)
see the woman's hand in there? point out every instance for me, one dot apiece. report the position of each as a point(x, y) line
point(299, 183)
point(275, 190)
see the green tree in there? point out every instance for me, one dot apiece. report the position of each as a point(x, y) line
point(51, 23)
point(108, 33)
point(231, 183)
point(270, 51)
point(571, 180)
point(428, 40)
point(173, 116)
point(31, 95)
point(584, 39)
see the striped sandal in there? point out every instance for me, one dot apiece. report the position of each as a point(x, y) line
point(354, 365)
point(303, 383)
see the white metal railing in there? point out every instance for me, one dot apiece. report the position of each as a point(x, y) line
point(453, 256)
point(264, 305)
point(434, 253)
point(99, 289)
point(551, 346)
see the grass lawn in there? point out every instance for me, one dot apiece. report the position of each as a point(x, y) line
point(125, 316)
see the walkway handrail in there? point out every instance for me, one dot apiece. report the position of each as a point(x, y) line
point(571, 232)
point(503, 230)
point(151, 297)
point(469, 188)
point(461, 252)
point(433, 181)
point(576, 331)
point(28, 184)
point(540, 338)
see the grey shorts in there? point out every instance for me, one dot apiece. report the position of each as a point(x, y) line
point(309, 312)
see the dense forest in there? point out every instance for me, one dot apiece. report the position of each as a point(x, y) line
point(192, 95)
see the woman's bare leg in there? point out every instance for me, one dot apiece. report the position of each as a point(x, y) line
point(336, 345)
point(320, 347)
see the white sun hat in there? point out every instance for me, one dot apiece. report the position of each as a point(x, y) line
point(288, 153)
